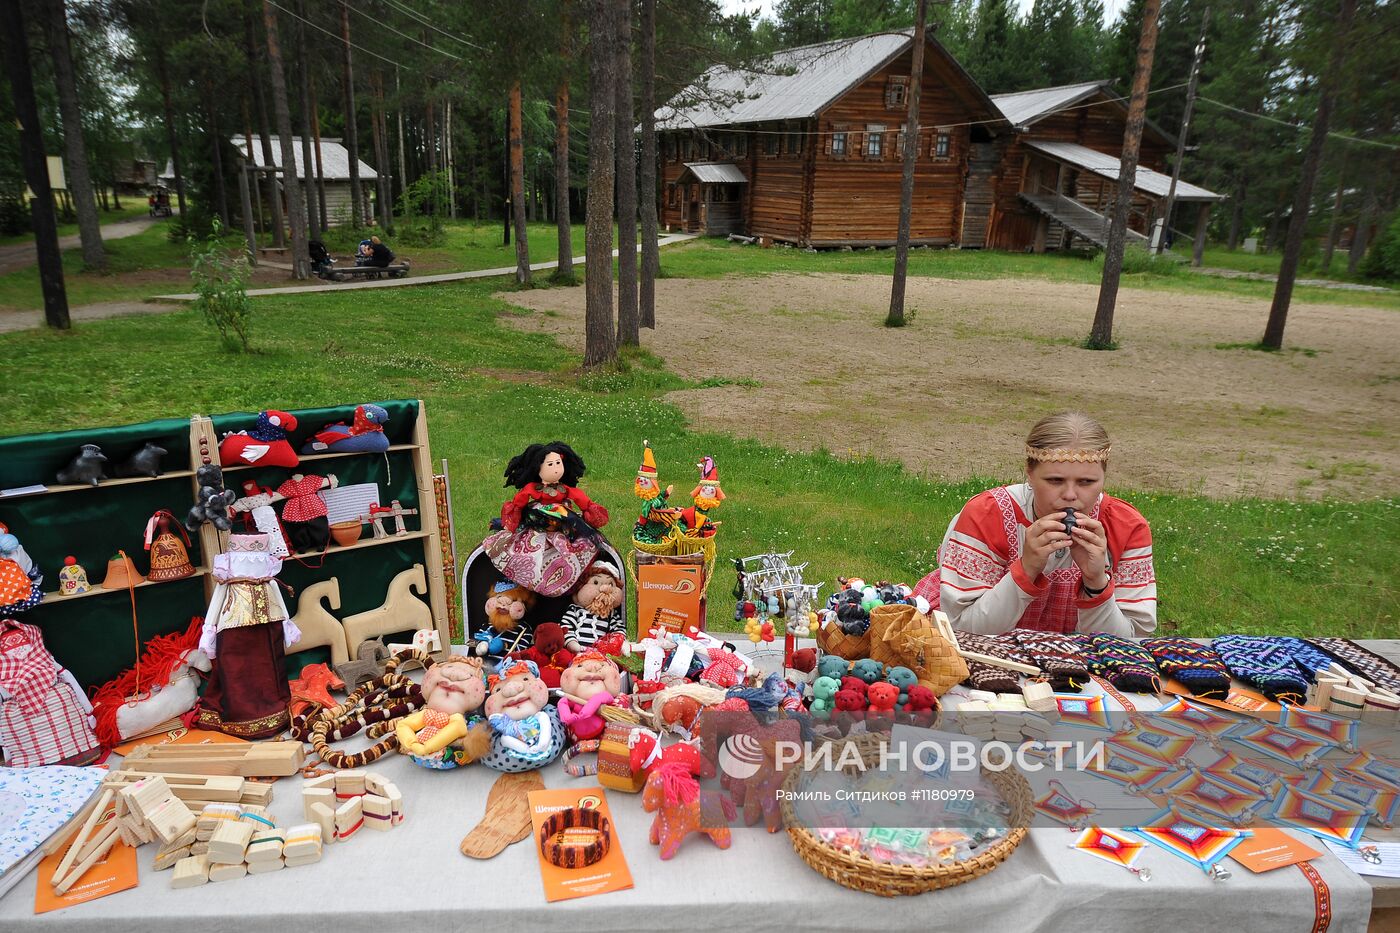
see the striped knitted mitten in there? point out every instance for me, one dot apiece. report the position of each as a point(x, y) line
point(1265, 663)
point(1123, 663)
point(1371, 666)
point(1195, 665)
point(1309, 658)
point(983, 676)
point(1059, 656)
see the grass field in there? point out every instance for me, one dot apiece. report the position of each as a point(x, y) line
point(1241, 565)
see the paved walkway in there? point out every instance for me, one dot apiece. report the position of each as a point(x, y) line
point(23, 320)
point(414, 279)
point(23, 255)
point(1314, 283)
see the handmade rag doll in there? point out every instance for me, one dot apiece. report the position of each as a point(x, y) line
point(505, 632)
point(595, 609)
point(21, 582)
point(591, 682)
point(265, 445)
point(548, 533)
point(526, 732)
point(246, 631)
point(657, 517)
point(707, 496)
point(449, 730)
point(258, 513)
point(45, 718)
point(304, 514)
point(364, 434)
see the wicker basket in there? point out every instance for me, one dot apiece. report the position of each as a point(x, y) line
point(901, 635)
point(677, 544)
point(832, 640)
point(862, 873)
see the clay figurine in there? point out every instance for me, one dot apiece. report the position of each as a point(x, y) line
point(85, 468)
point(144, 462)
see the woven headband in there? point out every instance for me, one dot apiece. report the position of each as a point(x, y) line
point(1066, 455)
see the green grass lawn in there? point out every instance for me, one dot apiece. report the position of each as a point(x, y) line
point(1224, 566)
point(137, 208)
point(1267, 263)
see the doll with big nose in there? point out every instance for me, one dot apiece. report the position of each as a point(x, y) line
point(526, 732)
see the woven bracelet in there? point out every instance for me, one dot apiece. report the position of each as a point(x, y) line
point(563, 835)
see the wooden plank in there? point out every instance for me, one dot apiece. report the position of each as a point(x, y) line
point(259, 759)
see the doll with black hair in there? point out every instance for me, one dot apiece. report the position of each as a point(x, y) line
point(549, 528)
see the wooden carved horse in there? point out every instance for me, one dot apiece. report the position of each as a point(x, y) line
point(400, 612)
point(320, 629)
point(681, 808)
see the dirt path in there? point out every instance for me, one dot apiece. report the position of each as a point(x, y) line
point(954, 393)
point(23, 255)
point(23, 320)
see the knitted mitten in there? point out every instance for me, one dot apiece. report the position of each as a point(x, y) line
point(1124, 663)
point(1059, 656)
point(1309, 658)
point(983, 676)
point(1265, 663)
point(1195, 665)
point(1371, 666)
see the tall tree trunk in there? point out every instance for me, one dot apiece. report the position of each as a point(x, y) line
point(628, 324)
point(403, 163)
point(895, 318)
point(384, 174)
point(14, 49)
point(1334, 221)
point(173, 138)
point(352, 143)
point(274, 198)
point(303, 72)
point(1312, 158)
point(296, 209)
point(216, 147)
point(1101, 335)
point(1362, 236)
point(651, 252)
point(517, 188)
point(55, 18)
point(562, 221)
point(320, 159)
point(1237, 213)
point(600, 329)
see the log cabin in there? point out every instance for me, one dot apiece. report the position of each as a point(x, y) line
point(806, 149)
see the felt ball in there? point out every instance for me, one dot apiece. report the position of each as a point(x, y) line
point(69, 561)
point(868, 591)
point(755, 638)
point(870, 602)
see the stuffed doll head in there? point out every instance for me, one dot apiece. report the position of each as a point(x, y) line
point(707, 494)
point(516, 690)
point(455, 685)
point(548, 464)
point(507, 605)
point(600, 589)
point(591, 673)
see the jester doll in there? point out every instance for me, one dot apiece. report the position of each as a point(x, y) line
point(657, 518)
point(707, 496)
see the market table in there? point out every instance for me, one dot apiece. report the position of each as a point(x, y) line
point(414, 876)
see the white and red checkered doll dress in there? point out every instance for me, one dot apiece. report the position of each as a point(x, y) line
point(45, 718)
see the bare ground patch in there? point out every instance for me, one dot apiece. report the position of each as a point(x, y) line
point(952, 394)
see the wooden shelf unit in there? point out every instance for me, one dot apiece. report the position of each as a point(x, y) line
point(238, 467)
point(106, 483)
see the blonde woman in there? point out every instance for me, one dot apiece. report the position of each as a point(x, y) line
point(1053, 553)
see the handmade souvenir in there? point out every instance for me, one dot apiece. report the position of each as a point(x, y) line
point(1194, 665)
point(448, 731)
point(1266, 664)
point(85, 469)
point(317, 627)
point(526, 730)
point(213, 502)
point(265, 445)
point(548, 653)
point(1366, 663)
point(507, 818)
point(371, 656)
point(1058, 804)
point(364, 434)
point(394, 512)
point(169, 559)
point(707, 496)
point(374, 707)
point(1122, 662)
point(1112, 847)
point(72, 578)
point(982, 675)
point(144, 462)
point(44, 713)
point(682, 808)
point(304, 512)
point(21, 582)
point(153, 695)
point(258, 514)
point(595, 607)
point(1380, 803)
point(1059, 656)
point(121, 573)
point(401, 611)
point(590, 682)
point(313, 688)
point(246, 629)
point(549, 528)
point(506, 609)
point(657, 517)
point(1214, 797)
point(1192, 840)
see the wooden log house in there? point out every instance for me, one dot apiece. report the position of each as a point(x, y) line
point(807, 150)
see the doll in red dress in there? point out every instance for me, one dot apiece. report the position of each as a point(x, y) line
point(549, 528)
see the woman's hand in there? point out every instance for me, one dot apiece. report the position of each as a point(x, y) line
point(1044, 537)
point(1089, 552)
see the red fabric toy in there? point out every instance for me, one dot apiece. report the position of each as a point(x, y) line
point(855, 685)
point(265, 445)
point(882, 697)
point(922, 706)
point(849, 701)
point(548, 653)
point(804, 660)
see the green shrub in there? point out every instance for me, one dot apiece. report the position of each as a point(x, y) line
point(1383, 261)
point(14, 217)
point(1138, 261)
point(221, 282)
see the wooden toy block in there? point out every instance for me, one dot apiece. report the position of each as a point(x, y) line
point(220, 871)
point(391, 792)
point(101, 844)
point(265, 866)
point(255, 792)
point(349, 784)
point(166, 858)
point(1038, 695)
point(1347, 701)
point(302, 840)
point(980, 696)
point(324, 780)
point(229, 843)
point(255, 759)
point(324, 817)
point(265, 845)
point(144, 797)
point(303, 860)
point(171, 820)
point(349, 817)
point(378, 812)
point(190, 872)
point(376, 782)
point(316, 795)
point(200, 848)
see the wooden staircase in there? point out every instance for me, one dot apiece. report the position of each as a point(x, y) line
point(1078, 219)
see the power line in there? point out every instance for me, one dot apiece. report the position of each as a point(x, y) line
point(405, 35)
point(338, 40)
point(406, 9)
point(1299, 126)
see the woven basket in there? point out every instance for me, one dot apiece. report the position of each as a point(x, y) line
point(832, 640)
point(676, 544)
point(862, 873)
point(901, 635)
point(883, 619)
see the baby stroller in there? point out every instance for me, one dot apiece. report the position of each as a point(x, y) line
point(321, 261)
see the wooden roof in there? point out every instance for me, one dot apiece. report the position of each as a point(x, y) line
point(1106, 166)
point(714, 173)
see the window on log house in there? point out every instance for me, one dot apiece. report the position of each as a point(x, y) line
point(899, 141)
point(793, 143)
point(896, 87)
point(770, 143)
point(875, 140)
point(741, 144)
point(836, 142)
point(942, 144)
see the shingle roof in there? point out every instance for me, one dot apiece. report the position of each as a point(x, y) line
point(1025, 107)
point(716, 172)
point(335, 158)
point(1104, 165)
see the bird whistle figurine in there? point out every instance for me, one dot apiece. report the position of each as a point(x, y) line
point(85, 469)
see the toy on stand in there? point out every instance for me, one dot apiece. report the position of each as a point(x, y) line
point(657, 518)
point(304, 512)
point(665, 531)
point(259, 516)
point(401, 611)
point(213, 502)
point(682, 808)
point(72, 578)
point(246, 629)
point(549, 529)
point(152, 696)
point(706, 497)
point(527, 734)
point(374, 707)
point(85, 469)
point(21, 581)
point(265, 445)
point(365, 434)
point(769, 591)
point(548, 653)
point(144, 462)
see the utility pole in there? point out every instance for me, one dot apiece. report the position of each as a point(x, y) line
point(895, 318)
point(1185, 129)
